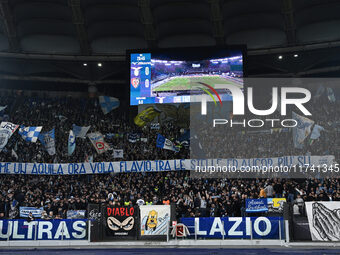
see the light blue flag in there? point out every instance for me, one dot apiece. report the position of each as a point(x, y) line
point(108, 103)
point(48, 141)
point(80, 131)
point(302, 130)
point(331, 95)
point(71, 143)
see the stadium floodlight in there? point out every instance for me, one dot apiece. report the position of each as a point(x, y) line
point(84, 64)
point(167, 64)
point(235, 58)
point(296, 55)
point(100, 64)
point(280, 57)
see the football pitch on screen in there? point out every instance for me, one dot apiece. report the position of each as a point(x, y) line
point(188, 83)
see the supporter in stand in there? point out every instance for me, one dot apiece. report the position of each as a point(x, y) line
point(76, 192)
point(192, 197)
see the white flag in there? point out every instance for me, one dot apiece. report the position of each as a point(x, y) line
point(71, 146)
point(7, 129)
point(118, 153)
point(80, 131)
point(14, 154)
point(316, 131)
point(302, 130)
point(97, 140)
point(89, 159)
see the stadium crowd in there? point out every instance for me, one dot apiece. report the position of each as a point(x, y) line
point(61, 113)
point(192, 197)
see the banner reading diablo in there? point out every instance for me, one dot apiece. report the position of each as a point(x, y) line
point(324, 220)
point(154, 219)
point(120, 223)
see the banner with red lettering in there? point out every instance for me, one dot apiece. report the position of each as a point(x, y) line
point(120, 223)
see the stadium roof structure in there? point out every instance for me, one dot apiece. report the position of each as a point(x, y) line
point(54, 36)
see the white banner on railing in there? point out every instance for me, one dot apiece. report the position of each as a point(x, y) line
point(156, 165)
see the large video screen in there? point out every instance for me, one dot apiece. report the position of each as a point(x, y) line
point(180, 75)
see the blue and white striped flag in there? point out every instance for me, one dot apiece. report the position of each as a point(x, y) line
point(108, 103)
point(30, 134)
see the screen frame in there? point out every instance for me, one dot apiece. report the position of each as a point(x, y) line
point(239, 47)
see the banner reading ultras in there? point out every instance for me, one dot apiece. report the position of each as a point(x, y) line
point(299, 164)
point(43, 230)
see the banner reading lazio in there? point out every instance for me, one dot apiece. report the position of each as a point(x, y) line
point(155, 165)
point(236, 227)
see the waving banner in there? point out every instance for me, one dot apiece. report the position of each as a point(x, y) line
point(71, 146)
point(316, 132)
point(97, 140)
point(146, 116)
point(133, 137)
point(118, 153)
point(80, 131)
point(30, 134)
point(7, 129)
point(48, 141)
point(156, 165)
point(108, 103)
point(302, 130)
point(165, 143)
